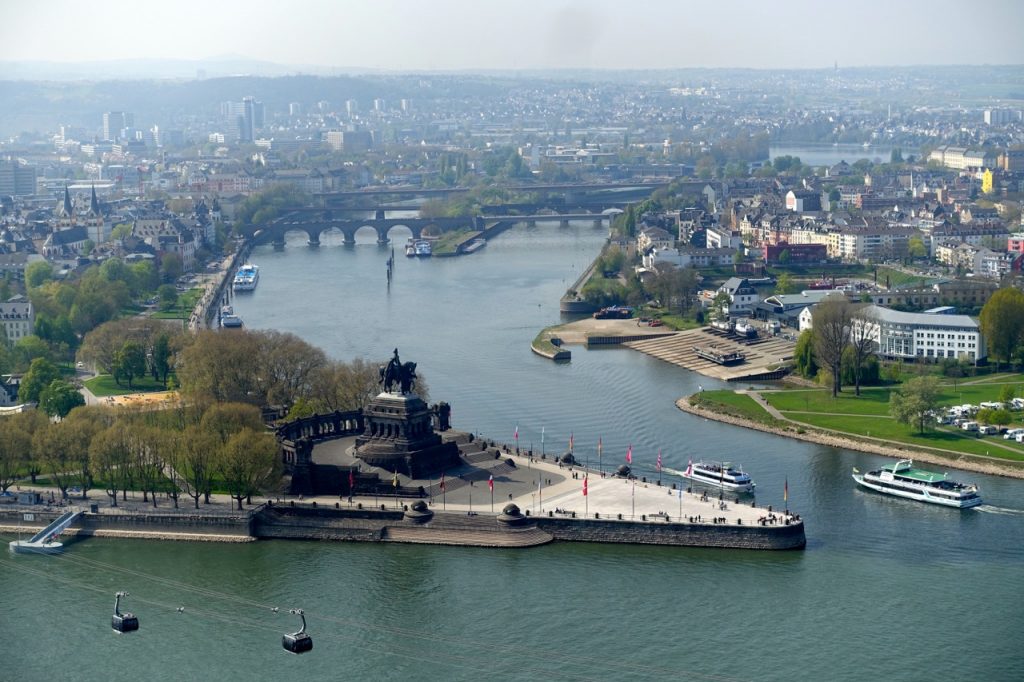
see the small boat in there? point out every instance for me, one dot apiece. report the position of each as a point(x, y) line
point(246, 278)
point(423, 248)
point(230, 321)
point(474, 245)
point(903, 480)
point(410, 249)
point(719, 475)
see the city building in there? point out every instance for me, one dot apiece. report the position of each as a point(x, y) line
point(114, 122)
point(920, 336)
point(17, 179)
point(18, 318)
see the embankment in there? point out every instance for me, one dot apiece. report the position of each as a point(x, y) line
point(886, 448)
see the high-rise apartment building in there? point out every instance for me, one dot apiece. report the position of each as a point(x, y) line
point(17, 179)
point(114, 122)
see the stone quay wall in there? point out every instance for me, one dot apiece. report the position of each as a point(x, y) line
point(674, 534)
point(171, 526)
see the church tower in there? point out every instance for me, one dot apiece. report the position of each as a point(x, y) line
point(94, 223)
point(65, 212)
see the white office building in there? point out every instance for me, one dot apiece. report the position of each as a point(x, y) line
point(921, 336)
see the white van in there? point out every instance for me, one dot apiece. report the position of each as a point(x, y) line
point(969, 426)
point(988, 430)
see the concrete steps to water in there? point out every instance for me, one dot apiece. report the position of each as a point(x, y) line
point(762, 355)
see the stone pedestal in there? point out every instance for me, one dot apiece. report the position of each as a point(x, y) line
point(398, 435)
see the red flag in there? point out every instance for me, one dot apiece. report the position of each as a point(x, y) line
point(570, 442)
point(629, 455)
point(351, 480)
point(490, 483)
point(442, 481)
point(516, 434)
point(659, 459)
point(785, 490)
point(689, 468)
point(585, 486)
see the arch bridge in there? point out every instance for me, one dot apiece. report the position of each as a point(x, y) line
point(315, 222)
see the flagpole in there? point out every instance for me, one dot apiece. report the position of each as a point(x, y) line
point(542, 441)
point(680, 499)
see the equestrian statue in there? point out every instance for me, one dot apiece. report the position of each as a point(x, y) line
point(396, 374)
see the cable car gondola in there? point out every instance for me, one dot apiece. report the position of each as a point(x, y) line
point(298, 642)
point(123, 622)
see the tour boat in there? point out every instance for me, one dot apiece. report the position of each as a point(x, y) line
point(719, 475)
point(423, 248)
point(29, 547)
point(903, 480)
point(246, 277)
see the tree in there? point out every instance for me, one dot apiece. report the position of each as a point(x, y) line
point(720, 304)
point(197, 462)
point(37, 273)
point(161, 358)
point(121, 231)
point(830, 336)
point(803, 355)
point(864, 327)
point(59, 398)
point(912, 403)
point(15, 446)
point(1002, 323)
point(248, 463)
point(167, 296)
point(916, 248)
point(785, 284)
point(1007, 393)
point(129, 362)
point(110, 457)
point(170, 267)
point(41, 373)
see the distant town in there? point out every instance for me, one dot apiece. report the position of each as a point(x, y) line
point(900, 200)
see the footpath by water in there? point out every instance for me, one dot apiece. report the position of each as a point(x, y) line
point(887, 588)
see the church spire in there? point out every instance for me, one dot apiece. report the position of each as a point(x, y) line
point(94, 203)
point(65, 209)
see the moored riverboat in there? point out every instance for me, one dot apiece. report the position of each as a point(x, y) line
point(903, 480)
point(246, 278)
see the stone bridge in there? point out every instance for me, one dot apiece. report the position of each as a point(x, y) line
point(315, 222)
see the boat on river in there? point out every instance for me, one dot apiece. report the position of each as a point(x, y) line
point(724, 358)
point(719, 475)
point(246, 278)
point(903, 480)
point(419, 248)
point(228, 318)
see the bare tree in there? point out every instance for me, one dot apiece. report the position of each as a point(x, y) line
point(248, 464)
point(863, 332)
point(197, 462)
point(830, 335)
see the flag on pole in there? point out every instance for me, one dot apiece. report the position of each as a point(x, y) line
point(515, 436)
point(585, 485)
point(351, 480)
point(659, 459)
point(542, 435)
point(629, 454)
point(394, 481)
point(442, 482)
point(689, 468)
point(599, 447)
point(490, 483)
point(785, 490)
point(570, 441)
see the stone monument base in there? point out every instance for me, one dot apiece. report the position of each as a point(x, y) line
point(399, 436)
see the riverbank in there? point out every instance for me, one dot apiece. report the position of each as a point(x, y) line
point(884, 448)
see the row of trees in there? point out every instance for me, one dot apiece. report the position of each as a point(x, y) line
point(132, 347)
point(188, 450)
point(838, 344)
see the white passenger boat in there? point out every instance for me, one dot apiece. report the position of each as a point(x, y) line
point(246, 277)
point(719, 475)
point(903, 480)
point(424, 249)
point(28, 547)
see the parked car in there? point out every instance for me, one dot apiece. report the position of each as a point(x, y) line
point(988, 430)
point(1012, 434)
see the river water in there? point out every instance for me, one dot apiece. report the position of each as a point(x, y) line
point(886, 589)
point(827, 154)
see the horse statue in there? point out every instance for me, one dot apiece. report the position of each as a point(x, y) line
point(395, 373)
point(408, 377)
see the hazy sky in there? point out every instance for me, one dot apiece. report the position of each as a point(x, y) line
point(503, 34)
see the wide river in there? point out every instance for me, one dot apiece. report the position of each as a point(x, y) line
point(886, 589)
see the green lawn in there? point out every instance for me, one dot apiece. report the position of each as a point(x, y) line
point(104, 385)
point(182, 309)
point(736, 404)
point(871, 401)
point(890, 429)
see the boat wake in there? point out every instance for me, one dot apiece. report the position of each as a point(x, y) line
point(672, 472)
point(991, 509)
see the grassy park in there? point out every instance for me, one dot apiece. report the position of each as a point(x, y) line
point(104, 385)
point(867, 416)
